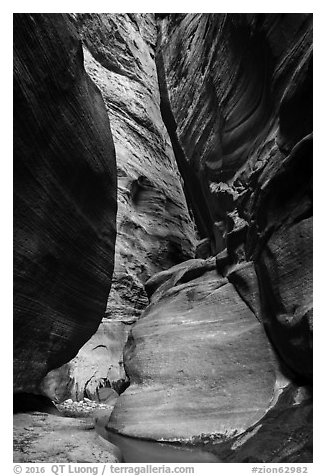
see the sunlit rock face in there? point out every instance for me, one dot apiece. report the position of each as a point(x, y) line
point(155, 230)
point(97, 372)
point(198, 359)
point(237, 100)
point(64, 198)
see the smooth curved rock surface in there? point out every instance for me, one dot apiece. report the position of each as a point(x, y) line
point(199, 362)
point(229, 77)
point(154, 228)
point(238, 91)
point(283, 435)
point(210, 111)
point(64, 198)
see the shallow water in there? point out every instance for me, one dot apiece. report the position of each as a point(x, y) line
point(136, 450)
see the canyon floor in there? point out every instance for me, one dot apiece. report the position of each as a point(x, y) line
point(67, 436)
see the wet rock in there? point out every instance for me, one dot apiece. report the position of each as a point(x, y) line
point(64, 198)
point(87, 408)
point(283, 435)
point(136, 450)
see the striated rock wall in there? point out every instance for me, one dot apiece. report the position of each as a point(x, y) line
point(238, 91)
point(154, 228)
point(64, 198)
point(211, 112)
point(236, 101)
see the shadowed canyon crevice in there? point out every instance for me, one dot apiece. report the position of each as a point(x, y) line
point(176, 148)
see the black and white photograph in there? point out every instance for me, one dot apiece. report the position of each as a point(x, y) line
point(162, 241)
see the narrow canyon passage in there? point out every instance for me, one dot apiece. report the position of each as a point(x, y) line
point(184, 194)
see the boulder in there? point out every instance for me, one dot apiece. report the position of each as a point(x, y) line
point(199, 362)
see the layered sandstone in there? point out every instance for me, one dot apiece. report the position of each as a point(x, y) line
point(154, 227)
point(209, 113)
point(283, 435)
point(198, 359)
point(64, 198)
point(237, 101)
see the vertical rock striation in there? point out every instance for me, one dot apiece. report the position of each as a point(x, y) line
point(236, 101)
point(239, 91)
point(154, 227)
point(64, 198)
point(155, 230)
point(209, 113)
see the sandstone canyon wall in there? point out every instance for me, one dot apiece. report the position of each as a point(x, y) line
point(212, 125)
point(236, 96)
point(239, 93)
point(64, 198)
point(154, 227)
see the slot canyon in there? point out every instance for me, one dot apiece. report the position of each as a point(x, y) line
point(162, 237)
